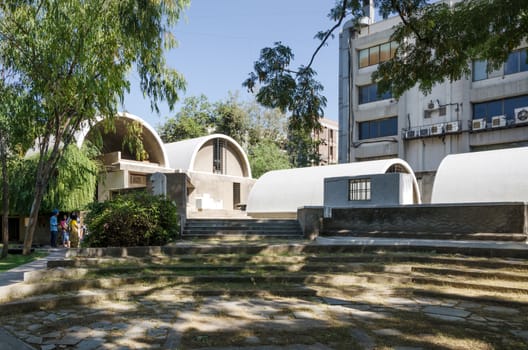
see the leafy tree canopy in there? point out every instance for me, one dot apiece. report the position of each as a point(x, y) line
point(266, 156)
point(71, 188)
point(435, 42)
point(195, 119)
point(438, 42)
point(72, 59)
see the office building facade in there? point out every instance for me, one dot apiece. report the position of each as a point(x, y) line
point(484, 111)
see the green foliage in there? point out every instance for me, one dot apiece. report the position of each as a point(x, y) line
point(134, 219)
point(296, 92)
point(232, 119)
point(72, 187)
point(266, 156)
point(437, 42)
point(133, 140)
point(72, 60)
point(193, 120)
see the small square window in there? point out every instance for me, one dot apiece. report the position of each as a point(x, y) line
point(359, 190)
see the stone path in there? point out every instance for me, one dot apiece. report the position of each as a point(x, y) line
point(160, 320)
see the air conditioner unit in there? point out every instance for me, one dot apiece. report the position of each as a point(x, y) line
point(437, 129)
point(452, 127)
point(425, 132)
point(478, 124)
point(498, 121)
point(521, 115)
point(411, 134)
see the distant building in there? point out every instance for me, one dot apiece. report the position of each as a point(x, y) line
point(329, 141)
point(205, 176)
point(485, 111)
point(209, 173)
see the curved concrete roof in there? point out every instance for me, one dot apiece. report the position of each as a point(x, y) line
point(182, 154)
point(489, 176)
point(286, 190)
point(113, 142)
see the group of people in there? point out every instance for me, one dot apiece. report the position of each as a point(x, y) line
point(67, 230)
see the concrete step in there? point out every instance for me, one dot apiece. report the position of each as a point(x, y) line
point(241, 227)
point(368, 245)
point(472, 273)
point(498, 237)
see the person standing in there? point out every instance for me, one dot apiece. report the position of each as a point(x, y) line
point(65, 234)
point(74, 231)
point(54, 228)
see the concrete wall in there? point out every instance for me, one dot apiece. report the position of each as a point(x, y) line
point(204, 158)
point(492, 217)
point(232, 162)
point(109, 181)
point(218, 188)
point(386, 189)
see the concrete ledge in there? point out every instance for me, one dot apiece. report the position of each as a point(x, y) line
point(438, 218)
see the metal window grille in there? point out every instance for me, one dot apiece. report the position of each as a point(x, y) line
point(359, 190)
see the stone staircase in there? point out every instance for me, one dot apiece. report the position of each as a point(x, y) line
point(242, 228)
point(281, 289)
point(292, 269)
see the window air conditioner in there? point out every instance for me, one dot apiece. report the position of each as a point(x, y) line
point(521, 115)
point(410, 134)
point(452, 127)
point(498, 121)
point(478, 124)
point(425, 132)
point(437, 129)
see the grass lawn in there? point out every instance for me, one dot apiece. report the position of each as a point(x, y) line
point(14, 260)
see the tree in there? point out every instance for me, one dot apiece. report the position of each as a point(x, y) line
point(194, 119)
point(266, 124)
point(72, 59)
point(266, 156)
point(232, 119)
point(71, 188)
point(296, 92)
point(12, 138)
point(438, 42)
point(435, 42)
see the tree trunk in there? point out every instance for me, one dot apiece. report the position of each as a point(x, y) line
point(44, 170)
point(33, 216)
point(5, 199)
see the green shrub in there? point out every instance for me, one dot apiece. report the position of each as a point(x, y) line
point(133, 219)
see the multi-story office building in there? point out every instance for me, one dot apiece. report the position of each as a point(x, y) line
point(329, 141)
point(487, 110)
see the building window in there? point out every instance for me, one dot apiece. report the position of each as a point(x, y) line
point(376, 54)
point(378, 128)
point(359, 190)
point(515, 63)
point(218, 156)
point(369, 93)
point(506, 107)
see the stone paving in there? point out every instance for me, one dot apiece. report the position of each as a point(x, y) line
point(161, 320)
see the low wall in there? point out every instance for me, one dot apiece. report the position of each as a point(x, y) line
point(437, 218)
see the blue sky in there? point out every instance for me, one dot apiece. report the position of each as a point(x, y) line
point(219, 40)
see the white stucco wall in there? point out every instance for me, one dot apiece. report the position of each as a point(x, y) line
point(284, 191)
point(489, 176)
point(197, 155)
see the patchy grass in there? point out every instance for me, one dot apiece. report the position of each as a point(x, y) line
point(14, 260)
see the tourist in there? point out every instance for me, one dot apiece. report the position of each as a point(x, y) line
point(65, 234)
point(74, 231)
point(54, 228)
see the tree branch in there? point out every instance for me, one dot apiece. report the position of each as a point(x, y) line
point(329, 33)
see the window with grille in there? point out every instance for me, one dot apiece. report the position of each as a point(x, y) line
point(218, 156)
point(359, 189)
